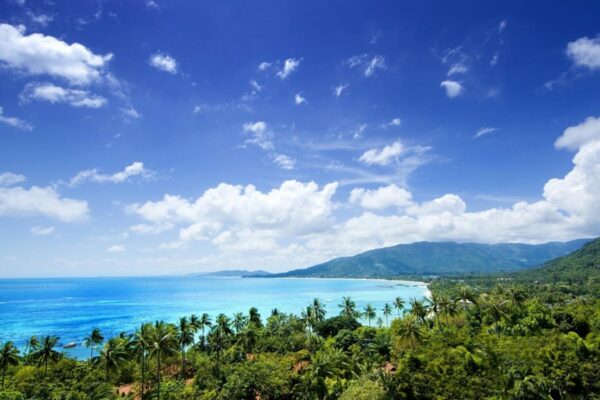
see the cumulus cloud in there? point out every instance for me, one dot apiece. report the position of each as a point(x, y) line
point(383, 156)
point(381, 198)
point(56, 94)
point(367, 63)
point(136, 169)
point(299, 100)
point(164, 62)
point(339, 89)
point(229, 214)
point(576, 136)
point(42, 230)
point(484, 130)
point(14, 121)
point(585, 52)
point(38, 54)
point(9, 179)
point(289, 66)
point(452, 88)
point(45, 201)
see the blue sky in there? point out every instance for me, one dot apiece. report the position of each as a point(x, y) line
point(156, 137)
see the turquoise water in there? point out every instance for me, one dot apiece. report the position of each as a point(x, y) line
point(70, 308)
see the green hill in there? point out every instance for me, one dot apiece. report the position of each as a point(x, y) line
point(440, 258)
point(582, 266)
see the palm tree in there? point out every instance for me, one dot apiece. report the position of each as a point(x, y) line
point(32, 345)
point(308, 316)
point(204, 323)
point(387, 311)
point(220, 332)
point(434, 304)
point(323, 365)
point(46, 352)
point(419, 310)
point(466, 296)
point(185, 338)
point(93, 340)
point(369, 313)
point(247, 338)
point(162, 344)
point(140, 348)
point(194, 326)
point(348, 307)
point(398, 304)
point(112, 355)
point(318, 310)
point(495, 307)
point(410, 329)
point(9, 355)
point(239, 322)
point(254, 317)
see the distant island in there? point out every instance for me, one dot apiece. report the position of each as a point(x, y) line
point(439, 259)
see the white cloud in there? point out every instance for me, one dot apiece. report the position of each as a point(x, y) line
point(452, 88)
point(255, 86)
point(92, 175)
point(576, 136)
point(298, 99)
point(458, 68)
point(393, 122)
point(264, 65)
point(339, 89)
point(17, 201)
point(116, 248)
point(289, 66)
point(381, 198)
point(130, 113)
point(261, 137)
point(585, 52)
point(383, 156)
point(164, 62)
point(152, 4)
point(228, 215)
point(484, 130)
point(40, 19)
point(502, 26)
point(284, 161)
point(38, 54)
point(9, 179)
point(56, 94)
point(368, 64)
point(42, 230)
point(14, 121)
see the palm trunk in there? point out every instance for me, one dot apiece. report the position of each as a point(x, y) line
point(182, 362)
point(46, 368)
point(142, 368)
point(3, 375)
point(106, 376)
point(158, 375)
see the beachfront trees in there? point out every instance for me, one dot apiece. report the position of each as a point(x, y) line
point(9, 355)
point(162, 343)
point(318, 310)
point(348, 307)
point(46, 353)
point(111, 356)
point(185, 337)
point(203, 323)
point(369, 313)
point(139, 346)
point(32, 345)
point(387, 311)
point(219, 334)
point(398, 304)
point(94, 340)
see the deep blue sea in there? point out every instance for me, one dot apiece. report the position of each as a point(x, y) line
point(71, 307)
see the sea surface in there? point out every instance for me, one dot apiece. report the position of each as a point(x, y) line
point(71, 307)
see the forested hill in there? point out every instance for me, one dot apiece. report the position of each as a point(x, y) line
point(581, 266)
point(440, 258)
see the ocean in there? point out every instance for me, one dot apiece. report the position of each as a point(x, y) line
point(71, 307)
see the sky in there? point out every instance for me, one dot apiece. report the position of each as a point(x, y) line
point(170, 137)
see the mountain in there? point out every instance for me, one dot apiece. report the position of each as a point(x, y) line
point(440, 258)
point(581, 266)
point(235, 272)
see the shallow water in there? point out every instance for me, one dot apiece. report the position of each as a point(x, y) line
point(71, 307)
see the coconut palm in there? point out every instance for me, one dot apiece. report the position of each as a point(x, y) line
point(194, 326)
point(398, 304)
point(318, 310)
point(46, 353)
point(220, 331)
point(94, 340)
point(369, 313)
point(204, 323)
point(419, 310)
point(162, 343)
point(410, 329)
point(32, 345)
point(239, 322)
point(9, 355)
point(348, 307)
point(387, 311)
point(434, 305)
point(254, 317)
point(323, 365)
point(112, 355)
point(185, 337)
point(139, 349)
